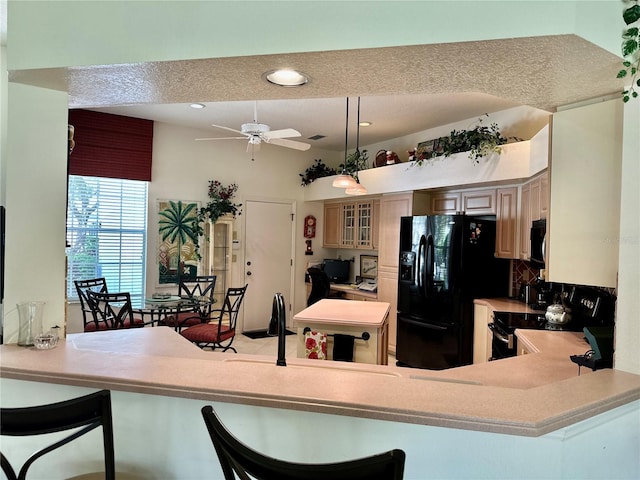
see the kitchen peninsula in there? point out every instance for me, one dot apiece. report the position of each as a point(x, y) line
point(160, 381)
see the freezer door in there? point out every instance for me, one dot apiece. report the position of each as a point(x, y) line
point(427, 345)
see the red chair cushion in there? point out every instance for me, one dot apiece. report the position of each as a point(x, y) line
point(207, 333)
point(91, 327)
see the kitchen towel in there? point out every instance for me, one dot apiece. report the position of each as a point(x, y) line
point(315, 345)
point(343, 347)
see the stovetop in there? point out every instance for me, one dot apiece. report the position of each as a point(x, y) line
point(509, 321)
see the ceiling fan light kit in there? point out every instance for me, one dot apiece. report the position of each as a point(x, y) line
point(286, 78)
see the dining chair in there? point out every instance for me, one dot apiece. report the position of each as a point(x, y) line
point(221, 329)
point(235, 456)
point(201, 290)
point(89, 412)
point(112, 311)
point(82, 287)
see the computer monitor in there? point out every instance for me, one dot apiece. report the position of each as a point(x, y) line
point(338, 271)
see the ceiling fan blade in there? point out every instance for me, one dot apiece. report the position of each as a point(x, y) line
point(227, 128)
point(223, 138)
point(282, 142)
point(284, 133)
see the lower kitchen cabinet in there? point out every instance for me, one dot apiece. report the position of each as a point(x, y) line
point(481, 337)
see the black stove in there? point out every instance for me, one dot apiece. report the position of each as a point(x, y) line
point(589, 307)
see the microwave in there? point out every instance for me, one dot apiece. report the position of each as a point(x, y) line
point(538, 243)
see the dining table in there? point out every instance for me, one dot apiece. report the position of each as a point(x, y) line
point(156, 309)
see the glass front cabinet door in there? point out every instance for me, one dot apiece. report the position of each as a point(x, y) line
point(216, 256)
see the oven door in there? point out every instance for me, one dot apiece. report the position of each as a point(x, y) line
point(503, 344)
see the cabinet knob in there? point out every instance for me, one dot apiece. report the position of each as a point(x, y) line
point(248, 274)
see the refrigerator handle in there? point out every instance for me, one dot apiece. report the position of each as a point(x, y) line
point(420, 263)
point(429, 271)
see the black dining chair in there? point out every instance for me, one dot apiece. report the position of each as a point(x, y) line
point(112, 311)
point(235, 456)
point(82, 287)
point(81, 414)
point(221, 330)
point(200, 289)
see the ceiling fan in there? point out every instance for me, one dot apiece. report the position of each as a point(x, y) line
point(259, 132)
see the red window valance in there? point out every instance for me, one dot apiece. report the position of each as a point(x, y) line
point(113, 146)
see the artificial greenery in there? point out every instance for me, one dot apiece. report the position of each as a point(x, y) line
point(315, 171)
point(480, 141)
point(355, 162)
point(631, 49)
point(220, 203)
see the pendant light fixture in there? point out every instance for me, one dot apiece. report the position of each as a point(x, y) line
point(344, 180)
point(358, 188)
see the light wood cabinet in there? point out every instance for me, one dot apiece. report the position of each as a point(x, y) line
point(470, 202)
point(534, 201)
point(479, 202)
point(447, 203)
point(481, 338)
point(332, 226)
point(507, 222)
point(376, 224)
point(392, 208)
point(351, 224)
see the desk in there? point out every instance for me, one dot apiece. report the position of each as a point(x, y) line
point(350, 292)
point(350, 318)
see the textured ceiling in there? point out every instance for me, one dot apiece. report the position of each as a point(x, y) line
point(404, 89)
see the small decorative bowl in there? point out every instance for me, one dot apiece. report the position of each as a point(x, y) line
point(45, 341)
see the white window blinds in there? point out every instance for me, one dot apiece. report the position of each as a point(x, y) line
point(106, 234)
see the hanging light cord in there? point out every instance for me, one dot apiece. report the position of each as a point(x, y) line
point(346, 137)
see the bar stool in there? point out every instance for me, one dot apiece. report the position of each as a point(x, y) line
point(88, 412)
point(236, 456)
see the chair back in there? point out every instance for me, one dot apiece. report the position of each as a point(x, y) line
point(201, 286)
point(236, 457)
point(82, 287)
point(231, 307)
point(320, 285)
point(112, 310)
point(88, 412)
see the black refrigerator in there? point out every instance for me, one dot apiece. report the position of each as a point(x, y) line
point(445, 262)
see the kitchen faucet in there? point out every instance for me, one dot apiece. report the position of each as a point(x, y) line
point(277, 326)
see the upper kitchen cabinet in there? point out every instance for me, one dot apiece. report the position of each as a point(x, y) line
point(507, 222)
point(534, 205)
point(471, 202)
point(332, 233)
point(584, 210)
point(351, 224)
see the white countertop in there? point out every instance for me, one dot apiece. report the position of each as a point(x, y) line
point(528, 395)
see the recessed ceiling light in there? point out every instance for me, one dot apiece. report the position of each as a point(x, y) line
point(286, 78)
point(365, 124)
point(197, 105)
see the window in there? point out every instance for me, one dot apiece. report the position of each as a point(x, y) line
point(106, 234)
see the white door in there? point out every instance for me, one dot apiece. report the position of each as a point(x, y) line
point(268, 259)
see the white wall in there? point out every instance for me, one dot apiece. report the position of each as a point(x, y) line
point(604, 446)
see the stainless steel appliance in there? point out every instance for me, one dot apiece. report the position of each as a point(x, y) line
point(589, 307)
point(445, 262)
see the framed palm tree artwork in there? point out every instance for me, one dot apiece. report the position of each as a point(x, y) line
point(177, 237)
